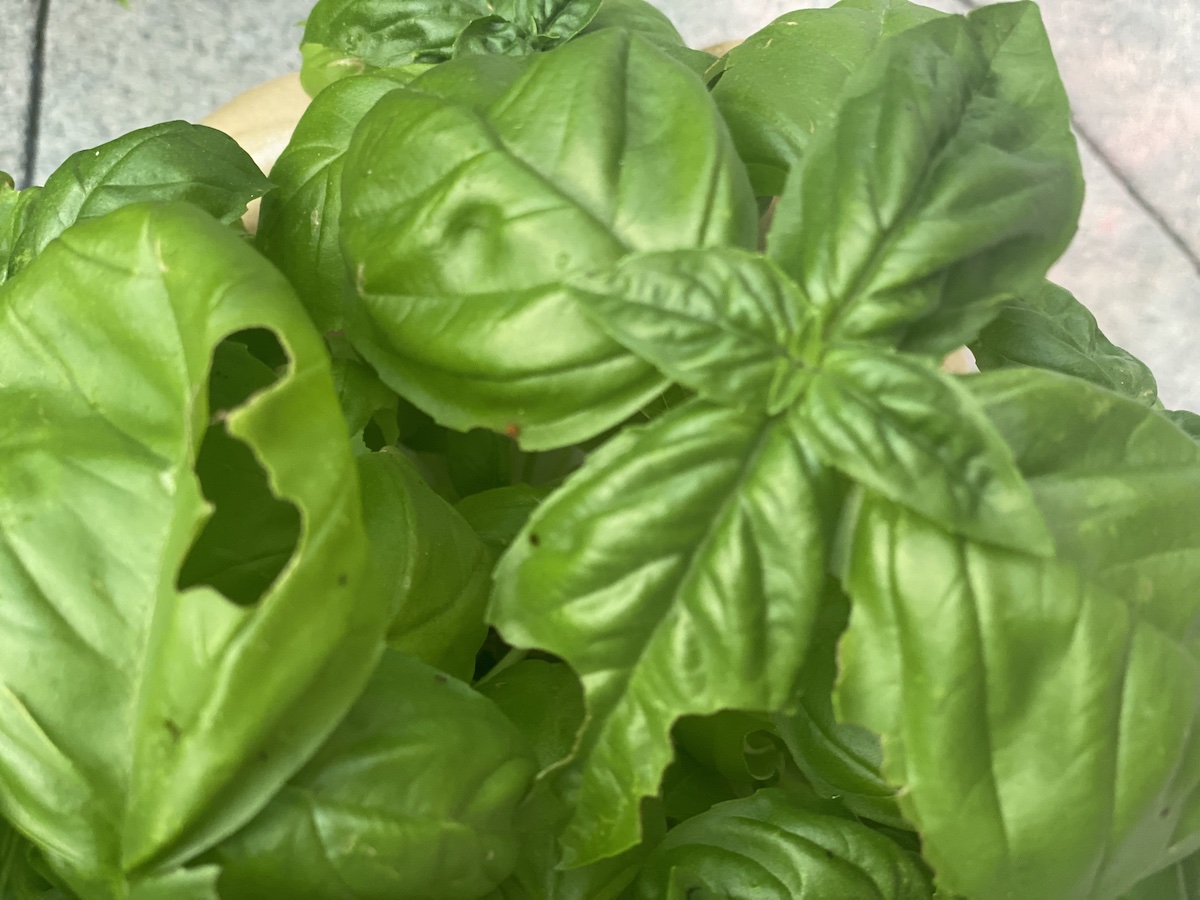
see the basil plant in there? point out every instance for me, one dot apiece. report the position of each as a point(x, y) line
point(562, 497)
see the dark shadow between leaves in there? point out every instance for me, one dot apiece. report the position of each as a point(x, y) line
point(252, 533)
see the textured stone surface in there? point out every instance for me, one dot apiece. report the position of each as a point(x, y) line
point(16, 45)
point(1142, 289)
point(1132, 69)
point(155, 61)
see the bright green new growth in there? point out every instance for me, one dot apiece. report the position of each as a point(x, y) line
point(518, 517)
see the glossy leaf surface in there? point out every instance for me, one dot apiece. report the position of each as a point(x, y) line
point(784, 83)
point(545, 700)
point(712, 611)
point(549, 22)
point(950, 178)
point(140, 723)
point(727, 324)
point(649, 23)
point(1041, 729)
point(842, 761)
point(171, 161)
point(767, 846)
point(413, 796)
point(297, 226)
point(436, 569)
point(14, 208)
point(1118, 485)
point(463, 229)
point(348, 37)
point(900, 427)
point(1047, 328)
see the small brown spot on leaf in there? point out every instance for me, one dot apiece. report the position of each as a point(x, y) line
point(535, 540)
point(513, 430)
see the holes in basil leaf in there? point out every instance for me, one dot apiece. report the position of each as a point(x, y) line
point(252, 533)
point(373, 437)
point(263, 346)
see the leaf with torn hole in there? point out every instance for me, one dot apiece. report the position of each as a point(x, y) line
point(252, 533)
point(141, 722)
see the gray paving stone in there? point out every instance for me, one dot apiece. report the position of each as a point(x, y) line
point(157, 60)
point(1133, 72)
point(1143, 292)
point(16, 46)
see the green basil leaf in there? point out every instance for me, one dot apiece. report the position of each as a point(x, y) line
point(550, 22)
point(1041, 728)
point(171, 161)
point(1178, 882)
point(322, 66)
point(637, 17)
point(198, 883)
point(740, 747)
point(494, 36)
point(726, 323)
point(647, 22)
point(677, 572)
point(949, 179)
point(414, 795)
point(841, 760)
point(545, 701)
point(769, 848)
point(1188, 421)
point(140, 723)
point(783, 84)
point(499, 515)
point(478, 460)
point(14, 211)
point(436, 569)
point(539, 875)
point(464, 229)
point(364, 399)
point(1047, 328)
point(900, 427)
point(20, 877)
point(349, 37)
point(298, 221)
point(297, 226)
point(1118, 484)
point(690, 788)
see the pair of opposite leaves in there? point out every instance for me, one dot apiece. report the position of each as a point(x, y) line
point(967, 191)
